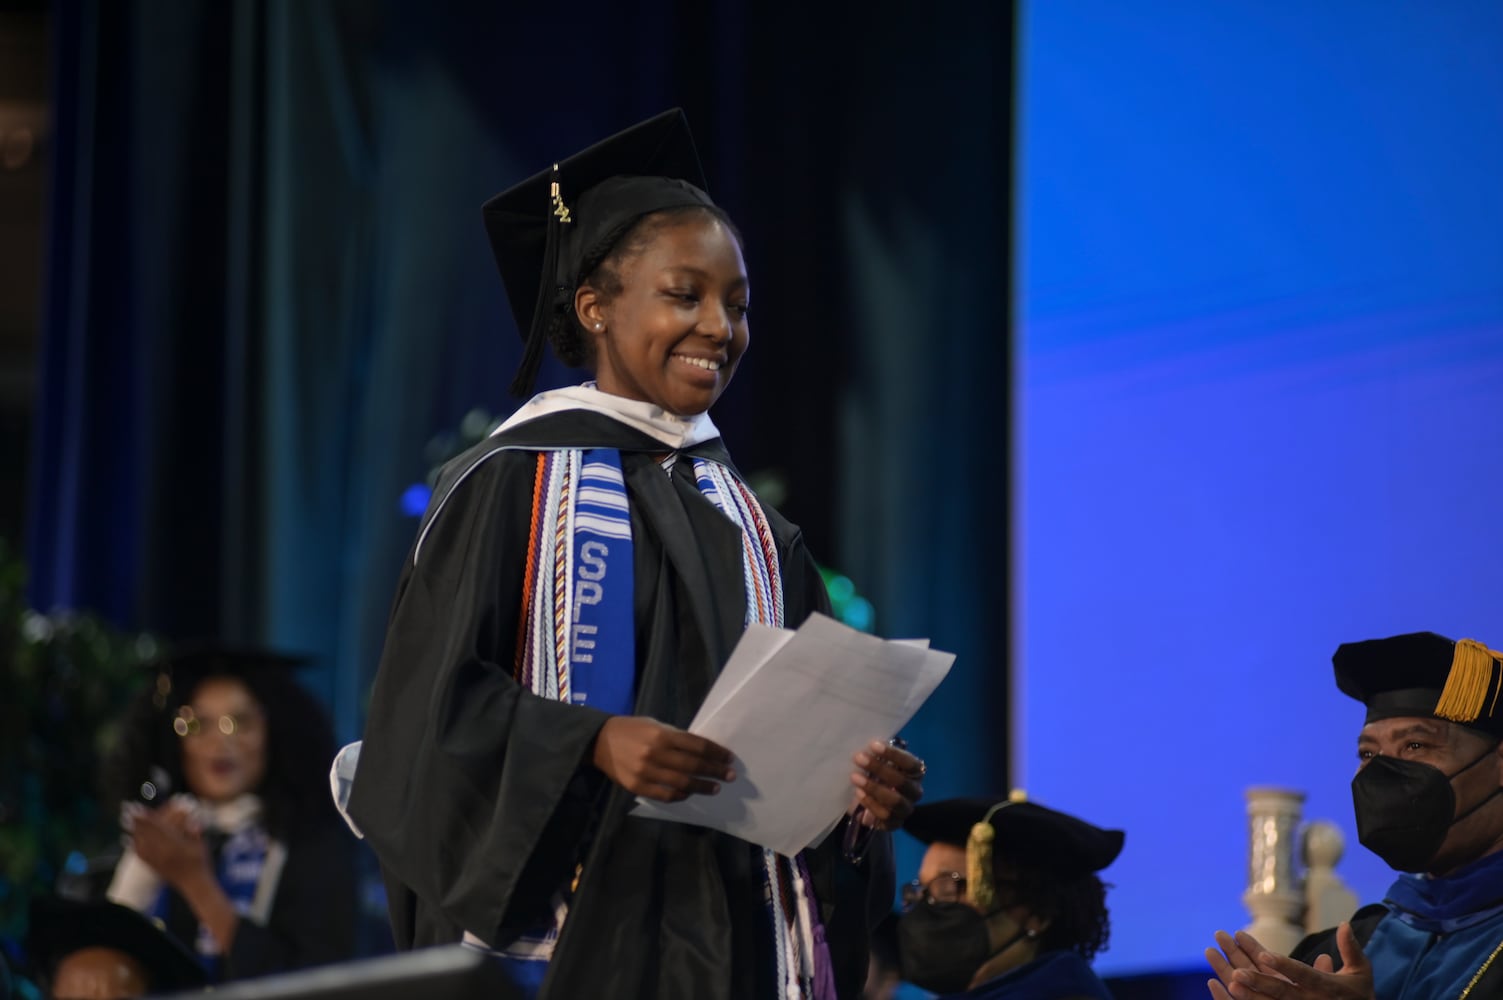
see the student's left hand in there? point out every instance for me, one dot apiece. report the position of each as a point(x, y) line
point(889, 783)
point(1245, 970)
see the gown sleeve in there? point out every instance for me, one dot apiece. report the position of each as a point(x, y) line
point(474, 793)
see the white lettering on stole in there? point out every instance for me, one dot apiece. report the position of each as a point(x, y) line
point(587, 590)
point(579, 643)
point(593, 554)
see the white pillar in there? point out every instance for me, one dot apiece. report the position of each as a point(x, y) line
point(1274, 895)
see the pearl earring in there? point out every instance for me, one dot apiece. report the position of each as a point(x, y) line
point(597, 326)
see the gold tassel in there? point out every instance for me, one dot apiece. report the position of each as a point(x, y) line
point(978, 865)
point(1467, 686)
point(979, 847)
point(560, 210)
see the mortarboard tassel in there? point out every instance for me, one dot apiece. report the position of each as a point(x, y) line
point(1472, 676)
point(979, 849)
point(978, 864)
point(542, 309)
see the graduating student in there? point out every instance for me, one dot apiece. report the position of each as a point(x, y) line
point(220, 773)
point(1428, 795)
point(576, 585)
point(1007, 904)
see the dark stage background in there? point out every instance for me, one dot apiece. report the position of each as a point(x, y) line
point(267, 288)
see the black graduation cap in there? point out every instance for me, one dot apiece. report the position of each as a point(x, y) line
point(1025, 833)
point(185, 664)
point(1425, 675)
point(545, 228)
point(59, 927)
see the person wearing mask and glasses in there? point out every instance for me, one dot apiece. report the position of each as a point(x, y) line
point(1007, 904)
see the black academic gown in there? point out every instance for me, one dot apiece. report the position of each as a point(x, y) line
point(480, 799)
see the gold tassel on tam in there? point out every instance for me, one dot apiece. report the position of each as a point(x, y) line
point(548, 297)
point(978, 864)
point(979, 848)
point(1472, 677)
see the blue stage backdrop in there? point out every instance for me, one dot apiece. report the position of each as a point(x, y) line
point(1260, 348)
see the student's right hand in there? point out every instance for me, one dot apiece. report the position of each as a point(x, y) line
point(658, 761)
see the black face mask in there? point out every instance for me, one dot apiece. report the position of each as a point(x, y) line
point(941, 945)
point(1405, 809)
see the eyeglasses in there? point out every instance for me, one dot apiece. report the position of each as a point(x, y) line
point(946, 887)
point(188, 724)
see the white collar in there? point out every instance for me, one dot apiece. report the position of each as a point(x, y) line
point(649, 418)
point(226, 817)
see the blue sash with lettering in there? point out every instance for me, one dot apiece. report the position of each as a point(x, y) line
point(579, 639)
point(577, 643)
point(602, 646)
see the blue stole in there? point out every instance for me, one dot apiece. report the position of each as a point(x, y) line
point(602, 637)
point(600, 666)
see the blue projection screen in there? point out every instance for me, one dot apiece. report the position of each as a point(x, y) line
point(1259, 354)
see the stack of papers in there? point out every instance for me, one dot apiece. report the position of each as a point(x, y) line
point(793, 707)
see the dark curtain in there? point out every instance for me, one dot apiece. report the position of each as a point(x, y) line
point(269, 287)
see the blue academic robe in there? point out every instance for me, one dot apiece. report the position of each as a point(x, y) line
point(1055, 975)
point(1439, 932)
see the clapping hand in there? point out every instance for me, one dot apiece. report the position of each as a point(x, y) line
point(170, 841)
point(1245, 970)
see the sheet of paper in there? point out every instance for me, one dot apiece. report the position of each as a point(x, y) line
point(793, 708)
point(758, 644)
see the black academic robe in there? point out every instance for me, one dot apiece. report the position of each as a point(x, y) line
point(312, 918)
point(480, 798)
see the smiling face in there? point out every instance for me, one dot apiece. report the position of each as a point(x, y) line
point(223, 731)
point(673, 327)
